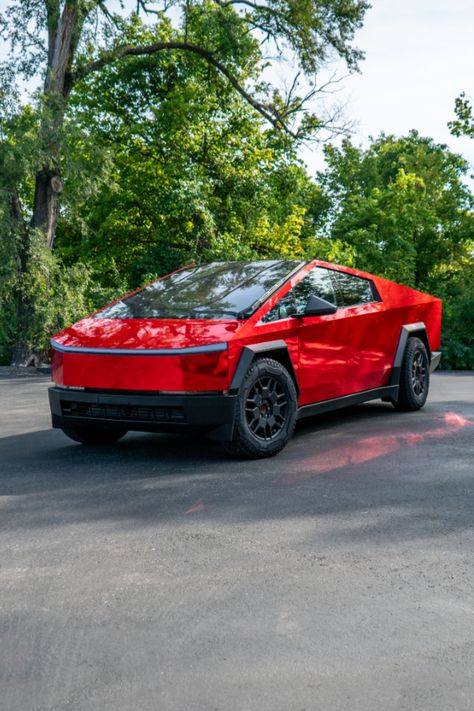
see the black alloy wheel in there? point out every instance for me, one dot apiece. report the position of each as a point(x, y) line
point(265, 407)
point(419, 369)
point(266, 411)
point(414, 376)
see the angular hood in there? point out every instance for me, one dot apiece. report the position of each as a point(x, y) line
point(145, 334)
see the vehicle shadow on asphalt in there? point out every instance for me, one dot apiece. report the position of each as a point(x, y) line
point(413, 472)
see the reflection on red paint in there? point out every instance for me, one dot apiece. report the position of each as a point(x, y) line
point(195, 507)
point(368, 448)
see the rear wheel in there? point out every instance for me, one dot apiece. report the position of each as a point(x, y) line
point(414, 376)
point(94, 436)
point(266, 411)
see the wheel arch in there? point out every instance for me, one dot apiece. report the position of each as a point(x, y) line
point(278, 350)
point(407, 331)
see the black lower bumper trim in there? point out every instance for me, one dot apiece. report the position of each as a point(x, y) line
point(143, 412)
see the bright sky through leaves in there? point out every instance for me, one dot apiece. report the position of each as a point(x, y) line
point(419, 57)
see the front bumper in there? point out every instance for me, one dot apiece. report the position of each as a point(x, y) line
point(213, 413)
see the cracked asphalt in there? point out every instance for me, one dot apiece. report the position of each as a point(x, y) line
point(159, 575)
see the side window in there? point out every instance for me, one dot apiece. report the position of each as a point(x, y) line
point(283, 309)
point(352, 290)
point(318, 283)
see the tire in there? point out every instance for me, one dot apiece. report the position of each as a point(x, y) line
point(414, 377)
point(266, 409)
point(94, 436)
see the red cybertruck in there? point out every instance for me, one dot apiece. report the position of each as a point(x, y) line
point(241, 351)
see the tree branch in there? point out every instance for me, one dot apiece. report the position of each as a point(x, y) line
point(252, 5)
point(147, 10)
point(52, 19)
point(109, 15)
point(269, 113)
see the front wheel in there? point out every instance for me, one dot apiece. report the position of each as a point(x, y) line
point(414, 376)
point(94, 436)
point(266, 411)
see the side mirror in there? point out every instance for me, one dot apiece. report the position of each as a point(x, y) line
point(318, 307)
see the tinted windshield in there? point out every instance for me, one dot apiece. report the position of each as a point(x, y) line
point(218, 290)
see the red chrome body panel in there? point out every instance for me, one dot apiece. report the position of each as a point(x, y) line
point(182, 372)
point(185, 373)
point(346, 352)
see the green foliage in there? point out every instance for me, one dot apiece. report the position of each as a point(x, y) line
point(54, 295)
point(7, 286)
point(458, 331)
point(330, 249)
point(266, 240)
point(159, 148)
point(309, 33)
point(401, 204)
point(455, 285)
point(463, 124)
point(193, 173)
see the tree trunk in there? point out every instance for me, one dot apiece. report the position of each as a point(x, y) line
point(63, 35)
point(48, 184)
point(46, 204)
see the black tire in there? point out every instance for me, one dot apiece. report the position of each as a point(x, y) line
point(94, 435)
point(414, 376)
point(266, 411)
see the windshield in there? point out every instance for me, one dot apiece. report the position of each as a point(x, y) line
point(213, 291)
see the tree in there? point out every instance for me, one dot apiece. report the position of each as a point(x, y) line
point(401, 204)
point(403, 209)
point(65, 41)
point(196, 174)
point(311, 29)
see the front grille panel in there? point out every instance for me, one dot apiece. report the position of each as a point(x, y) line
point(137, 413)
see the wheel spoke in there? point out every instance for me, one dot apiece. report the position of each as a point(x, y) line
point(252, 411)
point(418, 373)
point(265, 407)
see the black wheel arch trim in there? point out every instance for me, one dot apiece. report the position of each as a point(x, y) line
point(411, 329)
point(272, 349)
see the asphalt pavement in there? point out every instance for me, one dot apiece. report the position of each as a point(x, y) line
point(159, 575)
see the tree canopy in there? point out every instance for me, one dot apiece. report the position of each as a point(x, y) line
point(402, 208)
point(65, 44)
point(155, 137)
point(402, 205)
point(192, 172)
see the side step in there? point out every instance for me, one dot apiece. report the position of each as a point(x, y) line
point(388, 392)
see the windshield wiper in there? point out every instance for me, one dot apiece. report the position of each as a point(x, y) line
point(213, 314)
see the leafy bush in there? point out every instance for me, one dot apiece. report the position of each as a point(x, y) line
point(458, 330)
point(53, 295)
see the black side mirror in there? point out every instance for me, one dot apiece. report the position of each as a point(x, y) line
point(318, 307)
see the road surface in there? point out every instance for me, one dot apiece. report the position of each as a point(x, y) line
point(159, 575)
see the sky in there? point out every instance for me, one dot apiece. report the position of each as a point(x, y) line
point(419, 57)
